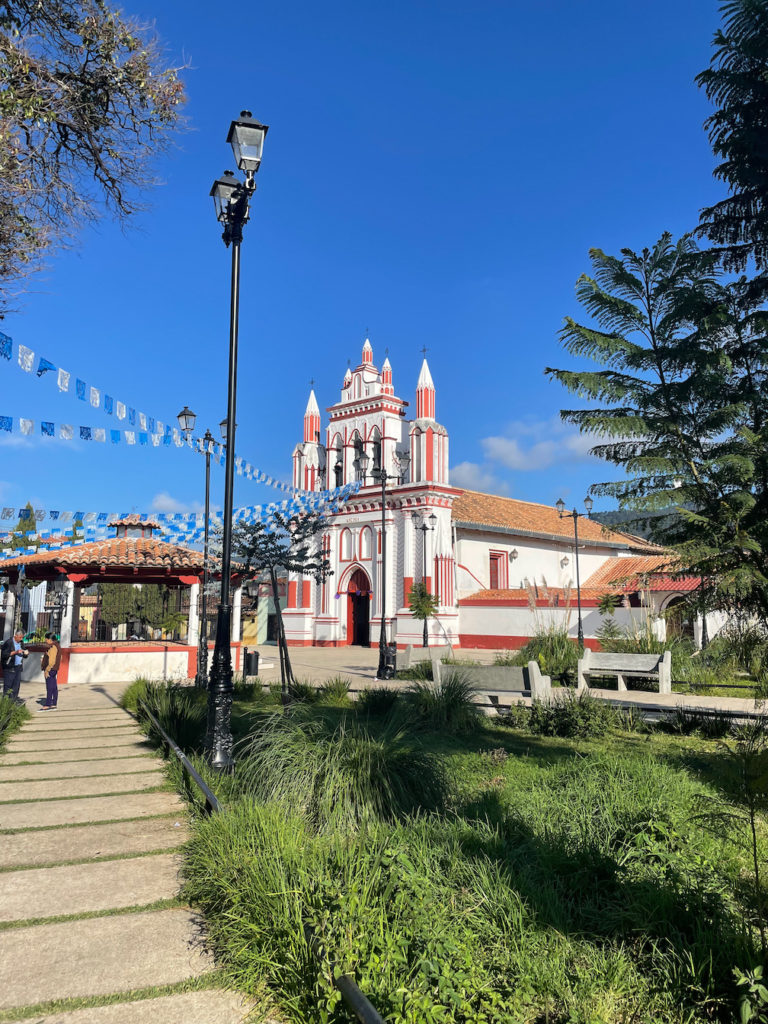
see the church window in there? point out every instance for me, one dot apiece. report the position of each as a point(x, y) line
point(346, 546)
point(365, 543)
point(376, 449)
point(417, 455)
point(337, 460)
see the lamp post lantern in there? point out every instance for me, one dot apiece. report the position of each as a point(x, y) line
point(425, 525)
point(231, 198)
point(187, 420)
point(575, 515)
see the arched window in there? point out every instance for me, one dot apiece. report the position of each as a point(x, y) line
point(347, 552)
point(375, 439)
point(357, 445)
point(366, 544)
point(336, 457)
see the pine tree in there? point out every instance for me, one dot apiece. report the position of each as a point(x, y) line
point(26, 525)
point(682, 370)
point(285, 545)
point(736, 82)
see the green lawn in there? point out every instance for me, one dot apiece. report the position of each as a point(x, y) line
point(552, 879)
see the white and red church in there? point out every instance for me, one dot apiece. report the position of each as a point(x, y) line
point(498, 566)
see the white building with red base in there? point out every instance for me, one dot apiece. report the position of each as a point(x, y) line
point(480, 554)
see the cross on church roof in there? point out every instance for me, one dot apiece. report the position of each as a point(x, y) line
point(312, 383)
point(424, 351)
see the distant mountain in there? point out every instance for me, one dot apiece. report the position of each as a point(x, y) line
point(627, 521)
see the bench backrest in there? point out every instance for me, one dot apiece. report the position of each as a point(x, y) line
point(625, 662)
point(411, 655)
point(503, 678)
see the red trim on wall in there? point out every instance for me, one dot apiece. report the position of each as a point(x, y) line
point(306, 593)
point(491, 642)
point(519, 602)
point(428, 472)
point(292, 593)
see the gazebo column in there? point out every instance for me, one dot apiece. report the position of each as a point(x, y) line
point(237, 605)
point(10, 612)
point(193, 621)
point(68, 614)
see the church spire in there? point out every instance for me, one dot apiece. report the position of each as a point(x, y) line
point(367, 353)
point(425, 394)
point(312, 419)
point(386, 378)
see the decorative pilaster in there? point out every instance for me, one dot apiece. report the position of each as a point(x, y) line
point(193, 621)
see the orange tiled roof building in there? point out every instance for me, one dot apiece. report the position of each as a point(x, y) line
point(494, 563)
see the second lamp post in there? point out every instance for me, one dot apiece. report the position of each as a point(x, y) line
point(576, 516)
point(425, 525)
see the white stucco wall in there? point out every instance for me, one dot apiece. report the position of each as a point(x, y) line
point(513, 623)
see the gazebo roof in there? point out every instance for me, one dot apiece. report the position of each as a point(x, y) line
point(136, 519)
point(119, 556)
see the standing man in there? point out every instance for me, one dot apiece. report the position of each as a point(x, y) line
point(50, 665)
point(12, 655)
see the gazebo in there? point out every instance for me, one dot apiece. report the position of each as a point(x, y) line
point(133, 557)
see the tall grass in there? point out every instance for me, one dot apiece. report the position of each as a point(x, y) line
point(180, 710)
point(378, 700)
point(448, 706)
point(550, 646)
point(338, 775)
point(570, 715)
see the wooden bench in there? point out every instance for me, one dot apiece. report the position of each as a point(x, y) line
point(502, 680)
point(624, 666)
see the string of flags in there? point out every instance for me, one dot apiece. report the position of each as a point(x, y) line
point(178, 527)
point(136, 427)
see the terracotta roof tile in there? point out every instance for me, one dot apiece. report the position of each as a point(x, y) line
point(135, 519)
point(121, 552)
point(532, 518)
point(629, 574)
point(547, 596)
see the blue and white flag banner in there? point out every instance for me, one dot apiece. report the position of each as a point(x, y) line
point(178, 527)
point(150, 429)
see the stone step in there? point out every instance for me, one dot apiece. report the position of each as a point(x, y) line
point(52, 789)
point(52, 721)
point(100, 956)
point(19, 742)
point(84, 888)
point(79, 754)
point(77, 769)
point(88, 809)
point(83, 842)
point(93, 753)
point(211, 1006)
point(43, 738)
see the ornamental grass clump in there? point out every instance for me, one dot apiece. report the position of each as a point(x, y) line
point(180, 710)
point(337, 775)
point(335, 691)
point(570, 715)
point(378, 701)
point(12, 717)
point(447, 706)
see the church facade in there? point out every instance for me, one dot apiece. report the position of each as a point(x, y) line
point(497, 566)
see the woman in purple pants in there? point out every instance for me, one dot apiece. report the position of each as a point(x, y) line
point(50, 665)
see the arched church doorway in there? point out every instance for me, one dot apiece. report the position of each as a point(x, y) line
point(359, 610)
point(679, 621)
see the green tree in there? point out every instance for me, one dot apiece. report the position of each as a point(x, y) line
point(86, 102)
point(736, 82)
point(677, 405)
point(25, 525)
point(285, 545)
point(423, 606)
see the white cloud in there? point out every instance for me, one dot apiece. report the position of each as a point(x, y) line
point(165, 502)
point(538, 444)
point(477, 478)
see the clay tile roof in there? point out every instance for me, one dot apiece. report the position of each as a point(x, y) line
point(657, 572)
point(552, 596)
point(120, 552)
point(528, 517)
point(135, 519)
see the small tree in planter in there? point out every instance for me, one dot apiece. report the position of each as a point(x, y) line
point(286, 544)
point(423, 606)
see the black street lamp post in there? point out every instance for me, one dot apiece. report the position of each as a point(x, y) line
point(425, 525)
point(186, 420)
point(575, 516)
point(231, 199)
point(383, 671)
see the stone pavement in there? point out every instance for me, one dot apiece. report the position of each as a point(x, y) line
point(89, 908)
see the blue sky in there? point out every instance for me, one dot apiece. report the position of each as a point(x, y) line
point(434, 173)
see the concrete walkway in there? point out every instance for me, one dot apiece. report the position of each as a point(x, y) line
point(90, 920)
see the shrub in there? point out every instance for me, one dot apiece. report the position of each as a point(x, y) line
point(421, 670)
point(570, 715)
point(518, 716)
point(379, 700)
point(135, 692)
point(555, 652)
point(180, 710)
point(302, 693)
point(251, 690)
point(12, 717)
point(447, 706)
point(711, 725)
point(338, 775)
point(335, 691)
